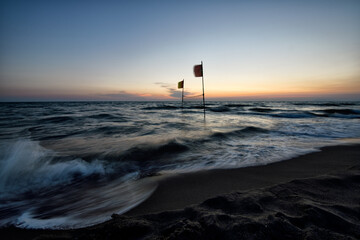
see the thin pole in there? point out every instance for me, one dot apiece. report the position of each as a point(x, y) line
point(182, 96)
point(202, 76)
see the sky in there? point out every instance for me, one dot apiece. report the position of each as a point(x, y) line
point(139, 50)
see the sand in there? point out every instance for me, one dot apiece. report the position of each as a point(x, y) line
point(314, 196)
point(179, 191)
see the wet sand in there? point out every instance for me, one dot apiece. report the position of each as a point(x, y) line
point(179, 191)
point(314, 196)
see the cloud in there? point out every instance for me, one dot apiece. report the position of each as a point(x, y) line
point(124, 96)
point(173, 92)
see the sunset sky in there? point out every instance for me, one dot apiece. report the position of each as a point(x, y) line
point(139, 50)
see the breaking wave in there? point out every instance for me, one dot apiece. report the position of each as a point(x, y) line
point(341, 111)
point(39, 191)
point(25, 166)
point(247, 131)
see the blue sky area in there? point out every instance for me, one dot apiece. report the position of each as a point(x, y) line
point(139, 50)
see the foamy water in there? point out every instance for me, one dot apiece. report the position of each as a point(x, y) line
point(69, 165)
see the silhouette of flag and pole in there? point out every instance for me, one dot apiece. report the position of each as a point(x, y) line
point(181, 85)
point(198, 72)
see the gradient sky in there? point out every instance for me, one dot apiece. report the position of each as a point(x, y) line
point(139, 50)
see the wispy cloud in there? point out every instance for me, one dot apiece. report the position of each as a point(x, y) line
point(172, 91)
point(124, 96)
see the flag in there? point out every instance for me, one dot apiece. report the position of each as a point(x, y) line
point(198, 70)
point(181, 84)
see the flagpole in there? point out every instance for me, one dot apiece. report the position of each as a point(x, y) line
point(202, 76)
point(182, 96)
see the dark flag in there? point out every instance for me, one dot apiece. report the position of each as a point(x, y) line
point(198, 70)
point(181, 84)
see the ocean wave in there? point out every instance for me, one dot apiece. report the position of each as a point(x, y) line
point(165, 107)
point(294, 115)
point(341, 111)
point(171, 107)
point(247, 131)
point(25, 166)
point(37, 190)
point(10, 119)
point(219, 109)
point(59, 136)
point(336, 113)
point(237, 105)
point(282, 114)
point(142, 153)
point(261, 109)
point(177, 125)
point(107, 116)
point(43, 132)
point(58, 119)
point(111, 130)
point(327, 104)
point(76, 206)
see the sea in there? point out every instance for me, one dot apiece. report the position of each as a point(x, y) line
point(73, 164)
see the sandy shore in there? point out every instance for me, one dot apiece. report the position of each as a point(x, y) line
point(314, 196)
point(179, 191)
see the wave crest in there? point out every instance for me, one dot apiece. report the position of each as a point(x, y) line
point(247, 131)
point(25, 165)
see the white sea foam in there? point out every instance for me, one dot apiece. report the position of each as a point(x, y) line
point(86, 208)
point(25, 165)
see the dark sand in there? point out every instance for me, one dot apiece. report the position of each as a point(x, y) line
point(185, 189)
point(315, 196)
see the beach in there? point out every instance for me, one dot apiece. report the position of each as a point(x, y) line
point(180, 120)
point(313, 196)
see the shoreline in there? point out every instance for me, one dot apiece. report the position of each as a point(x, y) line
point(181, 190)
point(222, 202)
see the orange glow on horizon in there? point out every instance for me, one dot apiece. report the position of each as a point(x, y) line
point(213, 90)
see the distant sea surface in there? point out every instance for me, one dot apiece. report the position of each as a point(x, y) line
point(73, 164)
